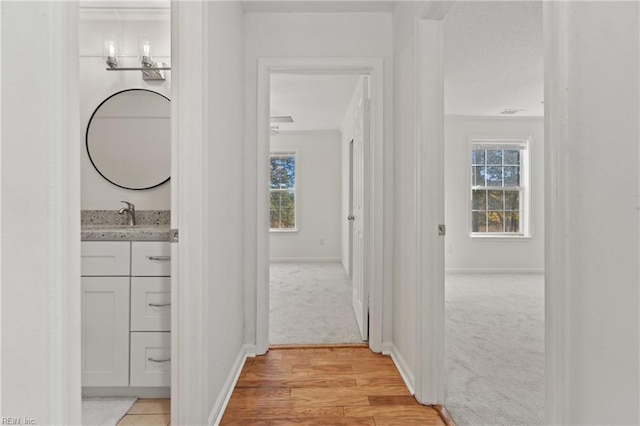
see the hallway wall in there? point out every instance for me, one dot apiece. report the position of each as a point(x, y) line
point(601, 246)
point(40, 227)
point(225, 262)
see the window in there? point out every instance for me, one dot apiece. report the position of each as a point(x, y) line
point(282, 191)
point(499, 180)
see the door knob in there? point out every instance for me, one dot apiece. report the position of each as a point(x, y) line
point(351, 217)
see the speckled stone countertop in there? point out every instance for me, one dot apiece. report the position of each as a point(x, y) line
point(108, 225)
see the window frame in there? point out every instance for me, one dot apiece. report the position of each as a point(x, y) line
point(523, 143)
point(294, 152)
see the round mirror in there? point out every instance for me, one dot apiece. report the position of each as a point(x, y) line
point(129, 139)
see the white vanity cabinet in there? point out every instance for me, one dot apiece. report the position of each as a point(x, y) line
point(126, 307)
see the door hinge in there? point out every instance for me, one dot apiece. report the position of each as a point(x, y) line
point(174, 236)
point(442, 230)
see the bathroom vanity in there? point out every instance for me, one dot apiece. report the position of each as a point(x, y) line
point(126, 307)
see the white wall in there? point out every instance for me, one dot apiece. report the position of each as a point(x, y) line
point(226, 263)
point(96, 84)
point(602, 166)
point(309, 35)
point(464, 254)
point(40, 227)
point(319, 196)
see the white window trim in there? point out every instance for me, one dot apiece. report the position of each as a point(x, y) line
point(525, 176)
point(296, 191)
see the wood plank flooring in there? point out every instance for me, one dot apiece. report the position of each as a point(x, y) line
point(324, 386)
point(155, 412)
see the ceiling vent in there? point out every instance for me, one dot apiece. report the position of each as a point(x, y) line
point(281, 119)
point(511, 111)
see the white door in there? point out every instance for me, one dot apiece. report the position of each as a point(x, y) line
point(360, 212)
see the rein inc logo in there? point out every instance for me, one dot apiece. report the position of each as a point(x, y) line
point(16, 421)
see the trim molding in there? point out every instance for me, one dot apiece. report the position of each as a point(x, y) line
point(124, 14)
point(372, 66)
point(332, 132)
point(429, 197)
point(304, 259)
point(217, 411)
point(557, 225)
point(444, 415)
point(494, 271)
point(493, 117)
point(403, 368)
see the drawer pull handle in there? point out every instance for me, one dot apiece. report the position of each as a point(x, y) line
point(159, 305)
point(158, 360)
point(160, 258)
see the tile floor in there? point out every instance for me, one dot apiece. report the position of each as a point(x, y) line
point(155, 412)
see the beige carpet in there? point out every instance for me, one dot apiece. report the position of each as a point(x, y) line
point(494, 341)
point(310, 303)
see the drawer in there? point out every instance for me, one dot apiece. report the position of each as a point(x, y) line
point(151, 259)
point(150, 359)
point(104, 258)
point(150, 304)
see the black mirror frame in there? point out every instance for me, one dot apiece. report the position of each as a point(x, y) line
point(87, 140)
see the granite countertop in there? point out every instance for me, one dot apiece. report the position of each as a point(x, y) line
point(108, 225)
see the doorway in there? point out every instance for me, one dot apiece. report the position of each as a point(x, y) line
point(126, 315)
point(312, 124)
point(494, 209)
point(370, 296)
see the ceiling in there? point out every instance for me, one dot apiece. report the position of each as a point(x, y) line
point(316, 102)
point(494, 58)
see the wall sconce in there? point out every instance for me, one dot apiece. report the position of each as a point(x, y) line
point(111, 51)
point(150, 70)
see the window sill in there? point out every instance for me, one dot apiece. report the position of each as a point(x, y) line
point(283, 231)
point(501, 237)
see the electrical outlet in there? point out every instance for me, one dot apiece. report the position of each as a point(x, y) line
point(321, 241)
point(449, 249)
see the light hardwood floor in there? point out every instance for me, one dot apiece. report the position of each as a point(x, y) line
point(324, 386)
point(311, 386)
point(156, 412)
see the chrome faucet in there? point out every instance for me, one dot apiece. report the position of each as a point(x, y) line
point(131, 212)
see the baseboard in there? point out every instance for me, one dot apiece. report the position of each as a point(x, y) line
point(489, 271)
point(215, 416)
point(304, 259)
point(403, 368)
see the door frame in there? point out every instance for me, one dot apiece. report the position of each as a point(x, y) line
point(372, 67)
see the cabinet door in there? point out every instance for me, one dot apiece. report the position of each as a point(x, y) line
point(150, 304)
point(105, 331)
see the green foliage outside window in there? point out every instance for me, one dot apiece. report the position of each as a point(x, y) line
point(282, 191)
point(496, 192)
